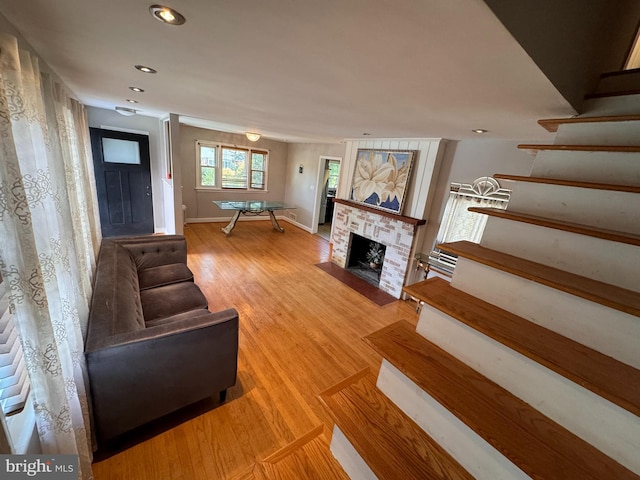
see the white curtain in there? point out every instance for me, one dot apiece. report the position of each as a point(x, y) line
point(461, 224)
point(49, 236)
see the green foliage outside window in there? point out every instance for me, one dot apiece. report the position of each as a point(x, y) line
point(208, 176)
point(334, 173)
point(229, 167)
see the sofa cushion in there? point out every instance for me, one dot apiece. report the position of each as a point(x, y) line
point(164, 275)
point(170, 300)
point(190, 315)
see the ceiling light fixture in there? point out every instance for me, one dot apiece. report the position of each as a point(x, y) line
point(144, 69)
point(479, 130)
point(131, 100)
point(136, 89)
point(127, 112)
point(253, 137)
point(166, 15)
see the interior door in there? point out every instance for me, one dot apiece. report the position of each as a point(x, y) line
point(123, 181)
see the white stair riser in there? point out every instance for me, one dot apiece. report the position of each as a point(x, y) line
point(603, 260)
point(606, 330)
point(349, 458)
point(605, 133)
point(616, 105)
point(608, 427)
point(618, 168)
point(619, 211)
point(470, 450)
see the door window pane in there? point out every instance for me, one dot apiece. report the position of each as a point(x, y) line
point(115, 150)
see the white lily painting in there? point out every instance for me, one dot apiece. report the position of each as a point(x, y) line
point(381, 178)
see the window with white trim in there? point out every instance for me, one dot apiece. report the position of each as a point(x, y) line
point(458, 223)
point(226, 167)
point(14, 379)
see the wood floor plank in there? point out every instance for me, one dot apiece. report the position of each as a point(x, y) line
point(536, 444)
point(308, 457)
point(386, 438)
point(300, 333)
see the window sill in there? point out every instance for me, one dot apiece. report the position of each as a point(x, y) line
point(231, 190)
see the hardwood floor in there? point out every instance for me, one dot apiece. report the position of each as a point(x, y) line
point(300, 333)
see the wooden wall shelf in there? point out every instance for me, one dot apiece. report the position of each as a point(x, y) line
point(410, 220)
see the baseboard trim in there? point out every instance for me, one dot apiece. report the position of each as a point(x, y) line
point(247, 219)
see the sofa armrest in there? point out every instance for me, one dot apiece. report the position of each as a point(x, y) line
point(143, 375)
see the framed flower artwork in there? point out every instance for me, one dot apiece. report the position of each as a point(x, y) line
point(381, 178)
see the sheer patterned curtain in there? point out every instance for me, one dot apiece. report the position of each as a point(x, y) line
point(49, 235)
point(458, 223)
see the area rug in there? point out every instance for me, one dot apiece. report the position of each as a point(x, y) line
point(365, 289)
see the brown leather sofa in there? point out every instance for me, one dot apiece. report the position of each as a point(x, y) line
point(152, 345)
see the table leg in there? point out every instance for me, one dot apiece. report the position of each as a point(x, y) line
point(232, 223)
point(274, 222)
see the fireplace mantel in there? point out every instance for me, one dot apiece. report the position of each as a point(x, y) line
point(410, 220)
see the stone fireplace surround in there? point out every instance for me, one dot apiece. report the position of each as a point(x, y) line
point(398, 233)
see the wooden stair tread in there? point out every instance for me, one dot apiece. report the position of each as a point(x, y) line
point(569, 183)
point(385, 437)
point(603, 375)
point(552, 124)
point(536, 444)
point(611, 296)
point(581, 148)
point(590, 231)
point(308, 457)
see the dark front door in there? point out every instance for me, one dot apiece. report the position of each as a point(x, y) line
point(123, 182)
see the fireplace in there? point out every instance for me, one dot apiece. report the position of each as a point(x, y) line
point(395, 233)
point(365, 258)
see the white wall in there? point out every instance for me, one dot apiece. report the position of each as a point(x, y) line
point(424, 170)
point(466, 160)
point(300, 188)
point(198, 203)
point(101, 118)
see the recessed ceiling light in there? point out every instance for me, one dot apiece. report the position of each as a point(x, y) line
point(136, 89)
point(144, 69)
point(131, 100)
point(479, 130)
point(166, 15)
point(127, 112)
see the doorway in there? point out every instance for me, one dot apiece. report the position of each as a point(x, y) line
point(328, 177)
point(123, 182)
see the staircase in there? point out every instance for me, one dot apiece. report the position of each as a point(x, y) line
point(526, 365)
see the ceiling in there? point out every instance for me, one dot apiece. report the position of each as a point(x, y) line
point(300, 70)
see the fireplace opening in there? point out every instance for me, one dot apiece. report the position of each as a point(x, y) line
point(365, 258)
